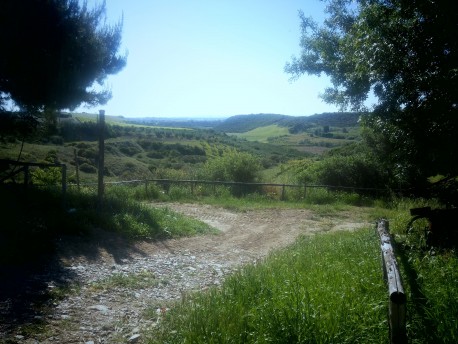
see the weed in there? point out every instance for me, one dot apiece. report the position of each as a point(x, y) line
point(129, 281)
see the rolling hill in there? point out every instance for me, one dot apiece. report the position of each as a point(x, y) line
point(245, 123)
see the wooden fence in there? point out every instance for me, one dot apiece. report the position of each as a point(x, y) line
point(12, 169)
point(25, 167)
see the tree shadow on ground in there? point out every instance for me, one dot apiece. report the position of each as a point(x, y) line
point(38, 254)
point(27, 284)
point(25, 291)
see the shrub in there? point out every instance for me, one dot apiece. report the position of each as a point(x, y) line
point(129, 148)
point(358, 171)
point(47, 176)
point(233, 166)
point(85, 167)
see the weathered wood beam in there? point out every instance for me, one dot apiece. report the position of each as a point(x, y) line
point(397, 297)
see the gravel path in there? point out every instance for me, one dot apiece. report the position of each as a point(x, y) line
point(115, 290)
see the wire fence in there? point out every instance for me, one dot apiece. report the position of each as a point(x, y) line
point(281, 191)
point(176, 189)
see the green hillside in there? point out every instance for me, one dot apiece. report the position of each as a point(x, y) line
point(136, 151)
point(245, 123)
point(144, 150)
point(264, 134)
point(238, 123)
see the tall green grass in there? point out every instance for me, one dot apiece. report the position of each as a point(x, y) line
point(33, 218)
point(324, 289)
point(432, 287)
point(430, 276)
point(122, 212)
point(224, 194)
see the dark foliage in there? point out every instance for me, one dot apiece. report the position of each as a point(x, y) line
point(405, 52)
point(16, 125)
point(52, 51)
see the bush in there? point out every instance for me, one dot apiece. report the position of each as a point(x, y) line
point(129, 148)
point(85, 167)
point(233, 166)
point(357, 171)
point(47, 176)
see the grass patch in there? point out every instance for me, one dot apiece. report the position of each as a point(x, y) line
point(324, 289)
point(430, 277)
point(32, 219)
point(123, 214)
point(432, 294)
point(129, 281)
point(220, 195)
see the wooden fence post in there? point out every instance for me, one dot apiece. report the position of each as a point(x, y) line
point(397, 297)
point(77, 167)
point(26, 176)
point(100, 188)
point(64, 183)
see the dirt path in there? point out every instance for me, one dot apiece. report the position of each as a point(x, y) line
point(252, 233)
point(99, 312)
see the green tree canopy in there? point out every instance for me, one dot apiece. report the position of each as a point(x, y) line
point(405, 54)
point(53, 51)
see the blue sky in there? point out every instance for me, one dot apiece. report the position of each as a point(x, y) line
point(211, 58)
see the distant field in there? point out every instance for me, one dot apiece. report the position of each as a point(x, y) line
point(263, 134)
point(121, 121)
point(92, 117)
point(306, 142)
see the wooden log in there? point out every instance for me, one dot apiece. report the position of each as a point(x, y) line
point(397, 297)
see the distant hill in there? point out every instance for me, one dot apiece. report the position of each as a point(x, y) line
point(244, 123)
point(198, 123)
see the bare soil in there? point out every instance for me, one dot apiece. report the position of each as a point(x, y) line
point(93, 311)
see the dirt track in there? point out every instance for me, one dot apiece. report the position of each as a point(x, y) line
point(254, 232)
point(117, 314)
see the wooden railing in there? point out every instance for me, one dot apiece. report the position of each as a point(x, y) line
point(24, 167)
point(12, 169)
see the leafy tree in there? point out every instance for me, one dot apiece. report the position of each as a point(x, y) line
point(53, 51)
point(405, 54)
